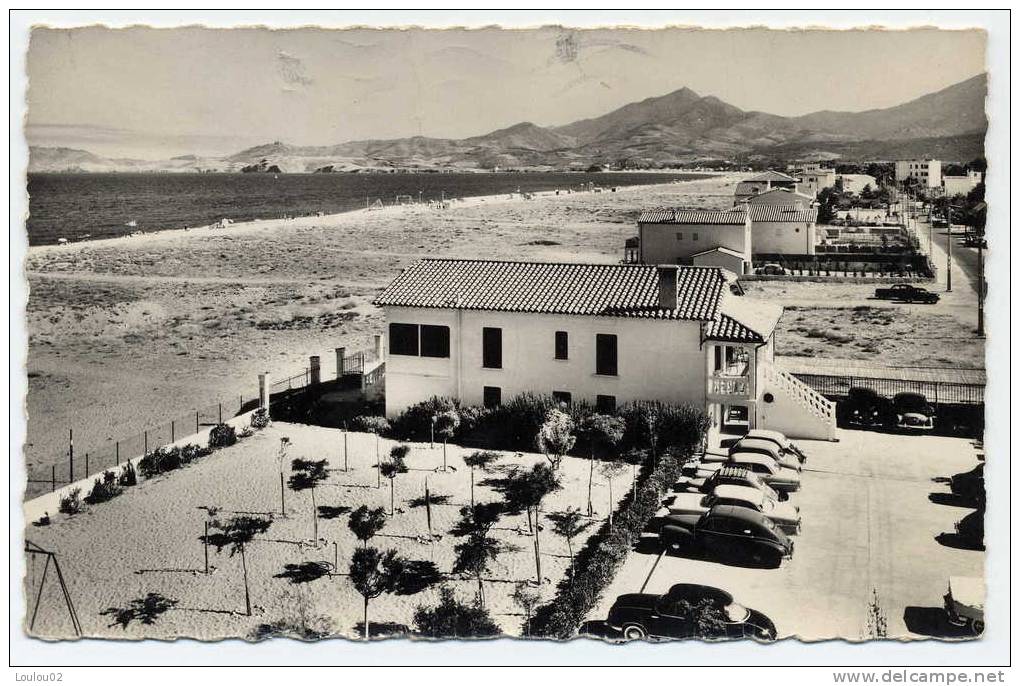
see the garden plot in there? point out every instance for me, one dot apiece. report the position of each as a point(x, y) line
point(149, 541)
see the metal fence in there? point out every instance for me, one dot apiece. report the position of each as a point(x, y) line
point(836, 387)
point(83, 460)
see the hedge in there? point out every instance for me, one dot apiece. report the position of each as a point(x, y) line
point(598, 561)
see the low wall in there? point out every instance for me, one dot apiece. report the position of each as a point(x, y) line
point(50, 502)
point(839, 279)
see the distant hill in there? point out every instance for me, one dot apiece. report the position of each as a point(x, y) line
point(681, 126)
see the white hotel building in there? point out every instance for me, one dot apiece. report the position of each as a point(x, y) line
point(484, 331)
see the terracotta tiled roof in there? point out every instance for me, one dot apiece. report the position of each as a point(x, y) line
point(672, 216)
point(781, 192)
point(720, 248)
point(615, 290)
point(781, 213)
point(743, 320)
point(728, 329)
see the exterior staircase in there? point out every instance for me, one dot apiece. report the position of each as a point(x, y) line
point(788, 405)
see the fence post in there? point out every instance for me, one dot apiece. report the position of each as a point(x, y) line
point(86, 465)
point(53, 478)
point(313, 369)
point(378, 346)
point(220, 409)
point(145, 442)
point(264, 390)
point(173, 430)
point(340, 361)
point(116, 452)
point(70, 452)
point(196, 421)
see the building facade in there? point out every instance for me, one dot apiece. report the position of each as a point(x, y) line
point(961, 185)
point(761, 183)
point(675, 236)
point(928, 173)
point(782, 230)
point(485, 331)
point(814, 180)
point(856, 183)
point(784, 197)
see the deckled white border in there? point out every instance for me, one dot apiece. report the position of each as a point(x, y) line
point(993, 649)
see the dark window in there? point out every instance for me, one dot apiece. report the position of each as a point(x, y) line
point(492, 396)
point(435, 341)
point(561, 345)
point(562, 397)
point(605, 404)
point(605, 354)
point(403, 339)
point(492, 348)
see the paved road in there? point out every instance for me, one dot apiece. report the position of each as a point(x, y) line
point(871, 514)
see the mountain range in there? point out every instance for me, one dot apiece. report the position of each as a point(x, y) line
point(679, 127)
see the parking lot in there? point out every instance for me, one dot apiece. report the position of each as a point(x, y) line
point(873, 508)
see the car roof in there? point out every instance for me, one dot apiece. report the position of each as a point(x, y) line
point(744, 514)
point(752, 458)
point(738, 493)
point(697, 592)
point(756, 444)
point(768, 435)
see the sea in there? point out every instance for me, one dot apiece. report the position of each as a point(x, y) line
point(79, 207)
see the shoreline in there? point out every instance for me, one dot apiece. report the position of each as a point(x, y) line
point(242, 227)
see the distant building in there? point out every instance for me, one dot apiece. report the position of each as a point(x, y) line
point(961, 185)
point(675, 236)
point(855, 183)
point(812, 181)
point(776, 229)
point(784, 197)
point(766, 181)
point(483, 332)
point(928, 173)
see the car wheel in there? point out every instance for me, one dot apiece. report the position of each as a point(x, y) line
point(634, 632)
point(977, 627)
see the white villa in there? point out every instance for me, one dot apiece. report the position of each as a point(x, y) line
point(761, 183)
point(928, 173)
point(783, 230)
point(717, 238)
point(783, 196)
point(484, 331)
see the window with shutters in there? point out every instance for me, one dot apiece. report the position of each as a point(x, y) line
point(561, 351)
point(605, 354)
point(492, 348)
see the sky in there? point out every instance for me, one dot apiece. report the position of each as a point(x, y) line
point(154, 93)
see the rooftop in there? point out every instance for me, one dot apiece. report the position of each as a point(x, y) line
point(612, 290)
point(679, 216)
point(781, 213)
point(772, 175)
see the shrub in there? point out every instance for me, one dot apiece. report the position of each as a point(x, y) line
point(221, 436)
point(451, 618)
point(605, 551)
point(70, 504)
point(128, 477)
point(260, 418)
point(160, 460)
point(371, 424)
point(415, 423)
point(105, 488)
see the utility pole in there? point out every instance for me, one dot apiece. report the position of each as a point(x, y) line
point(981, 285)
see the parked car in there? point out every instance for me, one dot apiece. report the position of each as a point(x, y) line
point(779, 439)
point(965, 603)
point(970, 486)
point(728, 530)
point(785, 514)
point(676, 613)
point(779, 478)
point(727, 475)
point(758, 445)
point(771, 270)
point(907, 293)
point(866, 409)
point(913, 412)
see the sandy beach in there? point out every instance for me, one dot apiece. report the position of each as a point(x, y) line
point(127, 332)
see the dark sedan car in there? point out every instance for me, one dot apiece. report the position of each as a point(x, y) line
point(913, 412)
point(728, 531)
point(688, 611)
point(866, 409)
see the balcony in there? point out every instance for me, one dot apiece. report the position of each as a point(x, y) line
point(729, 384)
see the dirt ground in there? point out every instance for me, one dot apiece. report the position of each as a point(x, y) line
point(147, 541)
point(874, 513)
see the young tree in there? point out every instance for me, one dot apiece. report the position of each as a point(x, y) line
point(395, 467)
point(635, 458)
point(478, 550)
point(556, 436)
point(306, 475)
point(482, 459)
point(601, 433)
point(611, 470)
point(527, 599)
point(451, 618)
point(373, 425)
point(366, 523)
point(236, 533)
point(569, 524)
point(446, 425)
point(525, 490)
point(373, 573)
